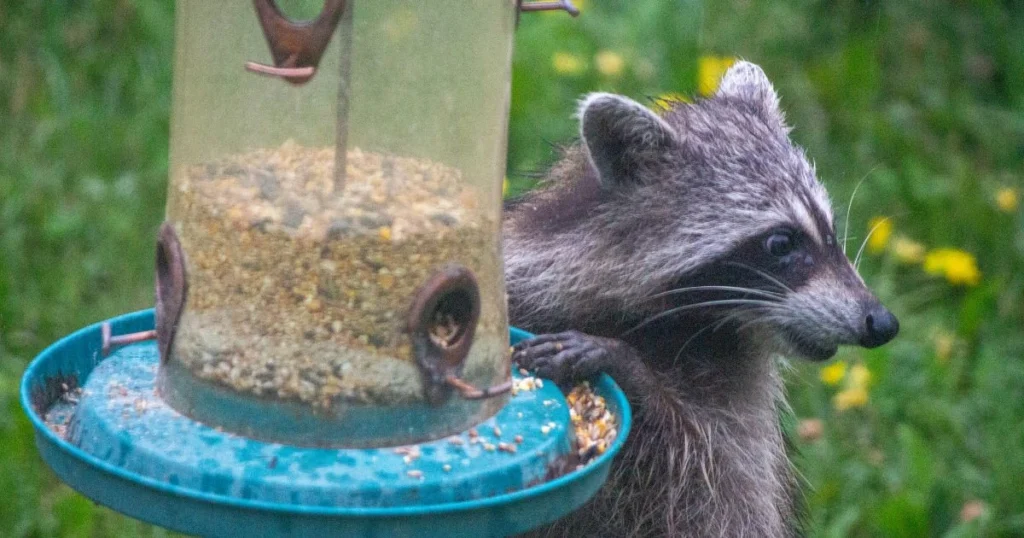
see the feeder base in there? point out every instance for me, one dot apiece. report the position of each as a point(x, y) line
point(125, 448)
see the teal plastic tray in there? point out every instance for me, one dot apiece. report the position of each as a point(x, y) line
point(261, 489)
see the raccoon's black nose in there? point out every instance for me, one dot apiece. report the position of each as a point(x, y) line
point(880, 327)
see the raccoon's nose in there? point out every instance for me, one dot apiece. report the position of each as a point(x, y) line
point(880, 326)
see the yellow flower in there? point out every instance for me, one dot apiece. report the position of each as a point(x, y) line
point(944, 346)
point(709, 72)
point(860, 376)
point(565, 63)
point(880, 230)
point(907, 250)
point(833, 373)
point(957, 266)
point(667, 101)
point(1006, 199)
point(850, 398)
point(609, 63)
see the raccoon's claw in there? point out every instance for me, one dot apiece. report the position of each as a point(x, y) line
point(565, 357)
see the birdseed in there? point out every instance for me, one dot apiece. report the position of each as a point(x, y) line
point(299, 292)
point(594, 426)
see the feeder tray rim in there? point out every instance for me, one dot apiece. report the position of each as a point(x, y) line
point(414, 510)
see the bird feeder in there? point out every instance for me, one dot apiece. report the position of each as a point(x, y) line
point(332, 261)
point(331, 344)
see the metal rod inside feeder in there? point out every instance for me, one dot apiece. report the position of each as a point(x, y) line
point(344, 68)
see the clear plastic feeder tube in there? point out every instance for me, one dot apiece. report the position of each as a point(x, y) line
point(339, 232)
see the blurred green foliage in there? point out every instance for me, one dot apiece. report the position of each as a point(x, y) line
point(921, 101)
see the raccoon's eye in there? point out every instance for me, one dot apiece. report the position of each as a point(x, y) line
point(780, 243)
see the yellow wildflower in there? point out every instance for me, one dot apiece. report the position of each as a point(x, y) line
point(850, 397)
point(833, 373)
point(609, 63)
point(666, 101)
point(907, 250)
point(880, 229)
point(565, 63)
point(957, 266)
point(944, 346)
point(1006, 199)
point(860, 376)
point(710, 70)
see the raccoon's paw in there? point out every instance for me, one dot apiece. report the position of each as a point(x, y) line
point(565, 357)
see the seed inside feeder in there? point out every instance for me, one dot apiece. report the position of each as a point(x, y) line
point(298, 292)
point(444, 330)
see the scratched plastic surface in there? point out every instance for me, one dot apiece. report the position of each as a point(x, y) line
point(212, 491)
point(121, 419)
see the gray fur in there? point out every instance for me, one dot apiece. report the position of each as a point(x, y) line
point(623, 138)
point(642, 204)
point(672, 227)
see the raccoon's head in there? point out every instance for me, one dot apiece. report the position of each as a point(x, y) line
point(712, 210)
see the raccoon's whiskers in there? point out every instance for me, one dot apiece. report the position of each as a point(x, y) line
point(768, 277)
point(741, 311)
point(849, 207)
point(752, 291)
point(687, 343)
point(715, 326)
point(750, 322)
point(860, 251)
point(722, 302)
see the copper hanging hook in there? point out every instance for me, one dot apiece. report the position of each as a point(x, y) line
point(171, 293)
point(109, 341)
point(295, 46)
point(563, 5)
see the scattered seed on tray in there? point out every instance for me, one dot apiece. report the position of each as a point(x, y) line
point(594, 426)
point(527, 383)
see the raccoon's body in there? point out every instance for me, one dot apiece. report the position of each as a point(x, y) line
point(681, 253)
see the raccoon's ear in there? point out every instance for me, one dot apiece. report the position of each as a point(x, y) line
point(747, 82)
point(623, 138)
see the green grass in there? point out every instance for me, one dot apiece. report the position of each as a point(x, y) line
point(923, 101)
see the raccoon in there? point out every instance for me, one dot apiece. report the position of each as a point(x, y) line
point(683, 253)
